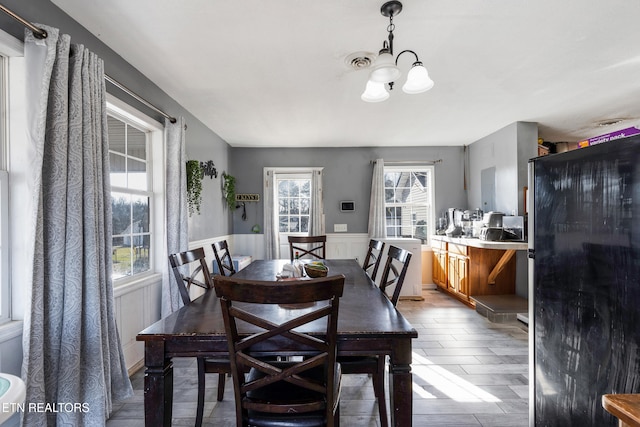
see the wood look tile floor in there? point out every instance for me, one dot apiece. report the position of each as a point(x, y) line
point(467, 371)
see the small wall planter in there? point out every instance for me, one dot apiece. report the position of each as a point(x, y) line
point(194, 186)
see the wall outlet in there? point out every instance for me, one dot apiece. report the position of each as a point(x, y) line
point(339, 228)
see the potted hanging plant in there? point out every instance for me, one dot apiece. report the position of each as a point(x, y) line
point(194, 186)
point(229, 190)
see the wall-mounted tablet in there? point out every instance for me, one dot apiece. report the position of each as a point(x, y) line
point(347, 206)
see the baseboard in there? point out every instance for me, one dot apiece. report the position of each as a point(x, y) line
point(136, 367)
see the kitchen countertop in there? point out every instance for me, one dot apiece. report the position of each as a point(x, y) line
point(483, 244)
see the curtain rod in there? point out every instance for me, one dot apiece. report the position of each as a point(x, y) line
point(39, 33)
point(410, 162)
point(136, 96)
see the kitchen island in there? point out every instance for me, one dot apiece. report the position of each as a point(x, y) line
point(467, 267)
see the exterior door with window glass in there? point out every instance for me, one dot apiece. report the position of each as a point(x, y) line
point(408, 203)
point(293, 201)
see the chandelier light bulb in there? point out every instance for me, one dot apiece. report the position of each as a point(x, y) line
point(384, 68)
point(418, 80)
point(374, 92)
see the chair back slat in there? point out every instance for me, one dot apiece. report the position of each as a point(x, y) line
point(181, 263)
point(317, 249)
point(373, 258)
point(223, 258)
point(391, 276)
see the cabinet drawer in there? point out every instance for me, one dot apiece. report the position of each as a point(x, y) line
point(438, 245)
point(458, 249)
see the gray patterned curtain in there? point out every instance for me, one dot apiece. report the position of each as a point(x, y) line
point(176, 194)
point(271, 240)
point(377, 224)
point(317, 205)
point(72, 351)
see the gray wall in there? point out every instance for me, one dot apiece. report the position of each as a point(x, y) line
point(202, 142)
point(508, 150)
point(347, 176)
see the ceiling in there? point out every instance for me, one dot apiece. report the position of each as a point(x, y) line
point(273, 73)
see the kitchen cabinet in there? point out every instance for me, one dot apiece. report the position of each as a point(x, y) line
point(469, 267)
point(439, 265)
point(458, 269)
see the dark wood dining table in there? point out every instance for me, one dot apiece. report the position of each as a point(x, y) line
point(368, 324)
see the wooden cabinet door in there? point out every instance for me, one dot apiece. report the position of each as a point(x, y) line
point(453, 275)
point(440, 268)
point(458, 277)
point(463, 275)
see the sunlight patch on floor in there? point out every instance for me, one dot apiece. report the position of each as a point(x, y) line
point(448, 383)
point(424, 394)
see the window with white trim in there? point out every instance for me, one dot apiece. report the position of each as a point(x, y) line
point(5, 278)
point(409, 208)
point(130, 198)
point(294, 203)
point(15, 173)
point(137, 191)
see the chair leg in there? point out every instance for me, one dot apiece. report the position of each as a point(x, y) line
point(378, 388)
point(200, 409)
point(335, 420)
point(221, 379)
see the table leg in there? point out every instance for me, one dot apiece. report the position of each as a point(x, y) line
point(401, 384)
point(158, 385)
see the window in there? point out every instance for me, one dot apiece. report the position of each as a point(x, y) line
point(294, 203)
point(130, 198)
point(4, 201)
point(293, 206)
point(136, 157)
point(409, 207)
point(5, 314)
point(14, 164)
point(137, 191)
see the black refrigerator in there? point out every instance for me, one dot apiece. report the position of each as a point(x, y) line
point(584, 282)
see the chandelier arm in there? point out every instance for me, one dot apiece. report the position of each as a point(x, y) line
point(405, 51)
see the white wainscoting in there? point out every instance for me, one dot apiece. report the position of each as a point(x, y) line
point(249, 244)
point(339, 245)
point(137, 305)
point(347, 246)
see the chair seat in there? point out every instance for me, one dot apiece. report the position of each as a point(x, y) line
point(291, 394)
point(217, 364)
point(221, 367)
point(358, 364)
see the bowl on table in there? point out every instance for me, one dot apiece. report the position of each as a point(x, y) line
point(315, 270)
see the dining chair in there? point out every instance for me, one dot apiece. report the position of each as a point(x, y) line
point(394, 272)
point(307, 245)
point(290, 390)
point(375, 365)
point(199, 276)
point(374, 255)
point(223, 258)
